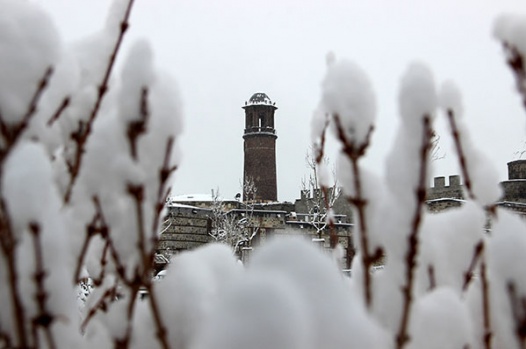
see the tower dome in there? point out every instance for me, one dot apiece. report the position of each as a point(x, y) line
point(259, 98)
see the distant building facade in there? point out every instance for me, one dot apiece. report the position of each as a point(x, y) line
point(514, 188)
point(441, 196)
point(190, 222)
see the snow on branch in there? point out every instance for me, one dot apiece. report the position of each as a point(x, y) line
point(85, 172)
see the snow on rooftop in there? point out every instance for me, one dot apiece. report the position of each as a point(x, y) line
point(192, 197)
point(176, 205)
point(445, 199)
point(260, 98)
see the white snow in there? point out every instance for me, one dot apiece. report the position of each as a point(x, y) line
point(29, 46)
point(506, 258)
point(441, 320)
point(511, 29)
point(289, 294)
point(348, 94)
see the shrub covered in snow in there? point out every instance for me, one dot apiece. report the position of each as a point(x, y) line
point(86, 158)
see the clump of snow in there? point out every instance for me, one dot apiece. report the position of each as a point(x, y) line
point(190, 288)
point(440, 320)
point(347, 94)
point(27, 188)
point(339, 321)
point(448, 246)
point(137, 74)
point(29, 46)
point(506, 258)
point(511, 29)
point(317, 125)
point(133, 162)
point(260, 311)
point(32, 203)
point(417, 101)
point(323, 175)
point(417, 96)
point(374, 193)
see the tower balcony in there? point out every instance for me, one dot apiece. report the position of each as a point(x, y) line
point(260, 130)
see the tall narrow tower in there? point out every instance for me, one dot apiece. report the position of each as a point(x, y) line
point(260, 148)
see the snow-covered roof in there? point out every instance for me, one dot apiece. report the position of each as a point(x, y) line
point(192, 197)
point(176, 205)
point(445, 199)
point(260, 98)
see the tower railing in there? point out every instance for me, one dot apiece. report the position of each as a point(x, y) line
point(260, 130)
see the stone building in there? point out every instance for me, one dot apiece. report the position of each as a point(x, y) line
point(441, 196)
point(186, 227)
point(514, 188)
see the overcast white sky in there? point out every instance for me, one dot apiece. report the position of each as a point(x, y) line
point(221, 52)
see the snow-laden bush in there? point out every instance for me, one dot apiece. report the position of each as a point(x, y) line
point(86, 158)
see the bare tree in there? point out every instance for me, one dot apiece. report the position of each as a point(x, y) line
point(319, 202)
point(436, 150)
point(235, 227)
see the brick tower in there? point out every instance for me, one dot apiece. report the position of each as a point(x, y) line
point(260, 148)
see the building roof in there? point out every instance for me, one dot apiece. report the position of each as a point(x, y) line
point(260, 98)
point(193, 197)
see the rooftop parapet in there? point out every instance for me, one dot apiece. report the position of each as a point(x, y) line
point(442, 191)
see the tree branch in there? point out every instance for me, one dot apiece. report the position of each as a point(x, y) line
point(44, 318)
point(354, 152)
point(81, 135)
point(402, 337)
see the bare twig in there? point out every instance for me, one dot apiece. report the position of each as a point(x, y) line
point(5, 340)
point(460, 151)
point(139, 127)
point(319, 150)
point(137, 193)
point(56, 115)
point(517, 64)
point(11, 133)
point(479, 248)
point(97, 281)
point(162, 334)
point(101, 305)
point(485, 305)
point(354, 152)
point(8, 245)
point(97, 226)
point(518, 310)
point(164, 173)
point(402, 337)
point(44, 318)
point(468, 274)
point(81, 135)
point(144, 279)
point(431, 276)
